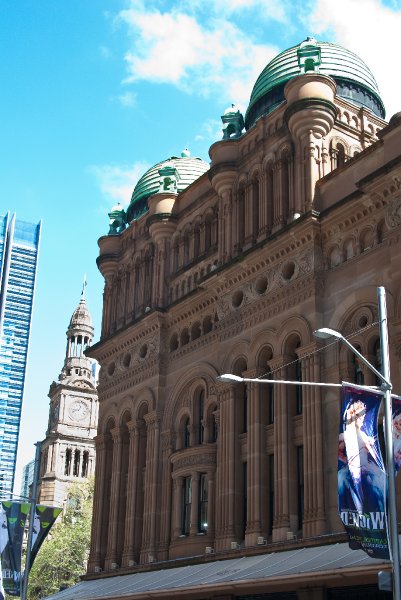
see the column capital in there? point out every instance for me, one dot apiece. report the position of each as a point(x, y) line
point(116, 434)
point(101, 440)
point(304, 351)
point(153, 419)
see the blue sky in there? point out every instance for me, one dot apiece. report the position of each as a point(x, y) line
point(96, 91)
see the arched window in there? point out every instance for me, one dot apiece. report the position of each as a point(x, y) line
point(186, 505)
point(77, 457)
point(85, 464)
point(377, 360)
point(285, 187)
point(241, 217)
point(202, 504)
point(196, 242)
point(309, 65)
point(270, 400)
point(358, 375)
point(186, 434)
point(67, 465)
point(298, 388)
point(270, 198)
point(255, 200)
point(340, 155)
point(200, 404)
point(271, 494)
point(208, 233)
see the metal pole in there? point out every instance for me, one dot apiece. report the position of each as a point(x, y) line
point(32, 510)
point(392, 498)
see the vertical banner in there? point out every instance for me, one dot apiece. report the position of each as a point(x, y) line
point(44, 519)
point(13, 518)
point(396, 410)
point(362, 481)
point(3, 542)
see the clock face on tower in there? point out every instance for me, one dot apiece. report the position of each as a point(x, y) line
point(78, 410)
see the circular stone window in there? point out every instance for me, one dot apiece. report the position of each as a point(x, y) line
point(288, 270)
point(111, 368)
point(261, 285)
point(237, 298)
point(363, 321)
point(143, 351)
point(174, 343)
point(127, 360)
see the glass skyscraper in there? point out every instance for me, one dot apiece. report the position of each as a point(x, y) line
point(19, 244)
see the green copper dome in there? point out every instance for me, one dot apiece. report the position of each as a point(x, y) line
point(354, 79)
point(188, 169)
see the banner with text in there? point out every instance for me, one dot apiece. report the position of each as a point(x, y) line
point(362, 482)
point(396, 408)
point(13, 517)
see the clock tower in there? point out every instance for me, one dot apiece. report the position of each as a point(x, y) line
point(68, 451)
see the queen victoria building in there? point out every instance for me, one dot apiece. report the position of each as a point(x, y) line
point(210, 490)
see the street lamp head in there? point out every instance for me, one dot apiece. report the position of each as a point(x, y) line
point(325, 332)
point(229, 378)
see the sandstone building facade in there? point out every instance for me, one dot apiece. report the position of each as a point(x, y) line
point(68, 451)
point(230, 269)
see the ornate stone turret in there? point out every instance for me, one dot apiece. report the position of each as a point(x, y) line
point(233, 122)
point(117, 220)
point(79, 338)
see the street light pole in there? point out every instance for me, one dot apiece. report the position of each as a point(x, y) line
point(388, 423)
point(386, 390)
point(32, 510)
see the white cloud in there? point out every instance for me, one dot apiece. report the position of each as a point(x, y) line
point(175, 48)
point(211, 131)
point(127, 100)
point(372, 31)
point(117, 182)
point(266, 10)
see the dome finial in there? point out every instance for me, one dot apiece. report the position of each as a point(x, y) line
point(185, 153)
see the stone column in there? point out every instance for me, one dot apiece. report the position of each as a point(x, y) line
point(111, 556)
point(225, 514)
point(194, 503)
point(228, 217)
point(248, 234)
point(177, 491)
point(221, 252)
point(167, 441)
point(314, 517)
point(211, 505)
point(277, 217)
point(255, 436)
point(281, 466)
point(95, 556)
point(128, 553)
point(151, 486)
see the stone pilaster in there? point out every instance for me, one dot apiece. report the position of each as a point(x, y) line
point(281, 523)
point(111, 556)
point(150, 512)
point(255, 450)
point(132, 491)
point(96, 551)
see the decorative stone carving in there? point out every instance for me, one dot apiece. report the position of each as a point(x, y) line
point(393, 213)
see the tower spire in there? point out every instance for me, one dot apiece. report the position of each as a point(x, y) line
point(83, 287)
point(79, 338)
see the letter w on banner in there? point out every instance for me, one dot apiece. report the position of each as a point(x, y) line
point(362, 481)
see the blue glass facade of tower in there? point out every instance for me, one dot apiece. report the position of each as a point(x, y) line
point(19, 245)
